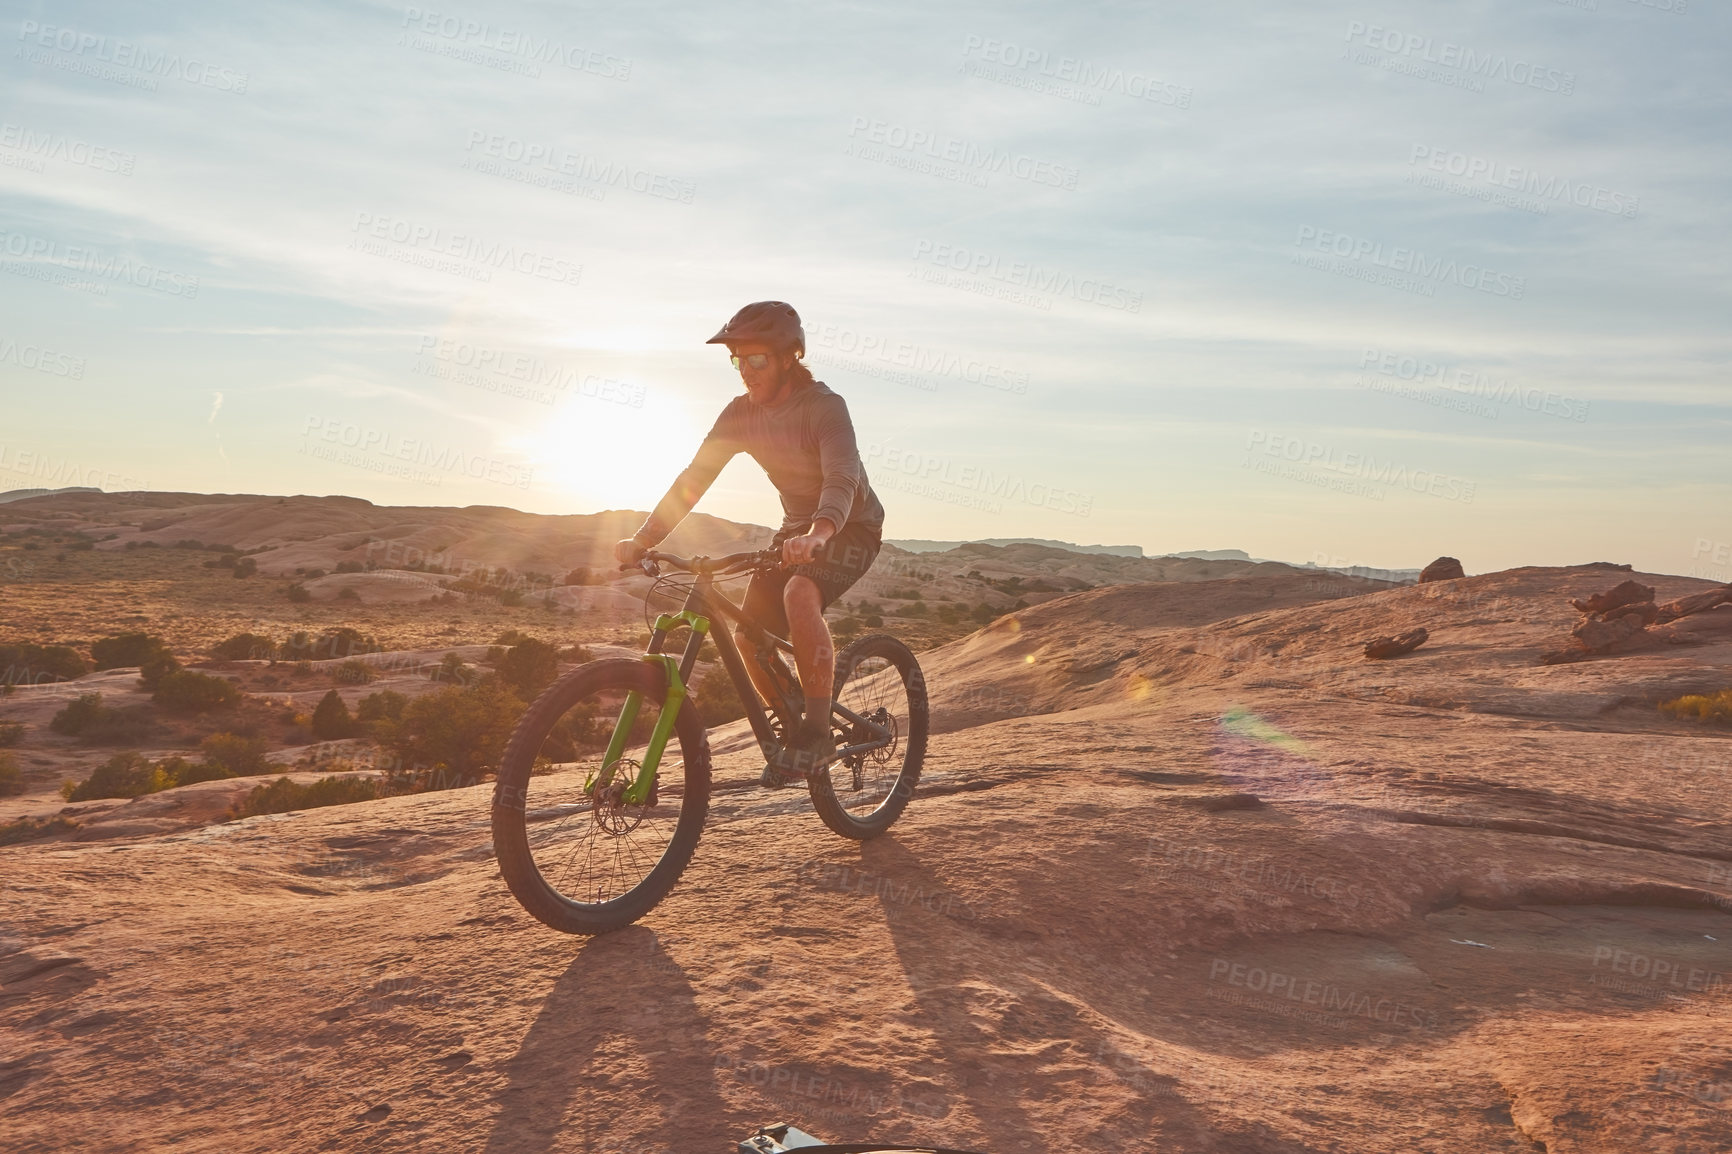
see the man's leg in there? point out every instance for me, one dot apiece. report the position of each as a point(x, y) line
point(760, 677)
point(814, 651)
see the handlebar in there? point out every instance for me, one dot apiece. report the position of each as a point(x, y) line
point(712, 566)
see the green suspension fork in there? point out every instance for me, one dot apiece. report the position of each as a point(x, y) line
point(639, 790)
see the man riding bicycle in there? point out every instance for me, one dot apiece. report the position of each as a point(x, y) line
point(800, 433)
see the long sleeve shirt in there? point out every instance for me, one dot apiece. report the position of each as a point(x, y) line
point(806, 445)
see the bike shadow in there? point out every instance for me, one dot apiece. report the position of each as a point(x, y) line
point(622, 1017)
point(1014, 1045)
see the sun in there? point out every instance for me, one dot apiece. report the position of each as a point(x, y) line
point(610, 447)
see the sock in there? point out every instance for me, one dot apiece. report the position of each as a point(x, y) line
point(818, 711)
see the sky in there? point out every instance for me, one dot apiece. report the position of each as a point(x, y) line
point(1357, 285)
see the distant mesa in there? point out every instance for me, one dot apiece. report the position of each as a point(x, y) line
point(915, 545)
point(21, 494)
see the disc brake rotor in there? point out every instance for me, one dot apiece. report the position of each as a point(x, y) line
point(607, 804)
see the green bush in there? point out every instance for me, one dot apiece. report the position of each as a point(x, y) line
point(246, 567)
point(385, 705)
point(299, 594)
point(718, 698)
point(349, 567)
point(134, 775)
point(529, 666)
point(286, 796)
point(355, 672)
point(27, 664)
point(331, 719)
point(78, 715)
point(26, 828)
point(245, 647)
point(240, 756)
point(339, 642)
point(11, 733)
point(123, 775)
point(347, 594)
point(457, 733)
point(151, 673)
point(873, 621)
point(189, 692)
point(11, 777)
point(94, 723)
point(451, 668)
point(127, 649)
point(1712, 707)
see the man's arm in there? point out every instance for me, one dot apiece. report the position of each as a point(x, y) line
point(694, 481)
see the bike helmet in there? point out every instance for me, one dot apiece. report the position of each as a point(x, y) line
point(774, 323)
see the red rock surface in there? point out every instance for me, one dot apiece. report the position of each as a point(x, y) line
point(1186, 874)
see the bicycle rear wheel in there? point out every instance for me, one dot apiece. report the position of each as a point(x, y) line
point(859, 796)
point(587, 863)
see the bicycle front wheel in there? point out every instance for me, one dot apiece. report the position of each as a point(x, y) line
point(577, 854)
point(879, 681)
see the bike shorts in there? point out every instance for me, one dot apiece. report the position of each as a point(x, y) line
point(843, 561)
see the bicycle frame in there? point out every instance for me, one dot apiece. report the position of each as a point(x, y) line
point(701, 603)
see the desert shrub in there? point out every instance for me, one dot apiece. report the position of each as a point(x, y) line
point(187, 773)
point(285, 796)
point(299, 593)
point(11, 777)
point(78, 714)
point(226, 561)
point(11, 733)
point(584, 575)
point(331, 718)
point(873, 621)
point(94, 723)
point(188, 543)
point(984, 614)
point(246, 567)
point(528, 666)
point(126, 649)
point(1711, 707)
point(123, 775)
point(240, 756)
point(26, 828)
point(350, 567)
point(189, 692)
point(384, 705)
point(36, 664)
point(457, 733)
point(718, 698)
point(339, 642)
point(918, 609)
point(511, 598)
point(151, 673)
point(302, 669)
point(355, 672)
point(846, 625)
point(81, 545)
point(452, 668)
point(576, 652)
point(347, 594)
point(314, 572)
point(245, 647)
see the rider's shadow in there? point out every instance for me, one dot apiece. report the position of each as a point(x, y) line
point(1038, 1046)
point(622, 1017)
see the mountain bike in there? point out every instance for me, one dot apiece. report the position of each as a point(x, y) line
point(603, 789)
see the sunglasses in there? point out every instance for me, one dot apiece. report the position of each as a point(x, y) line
point(755, 360)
